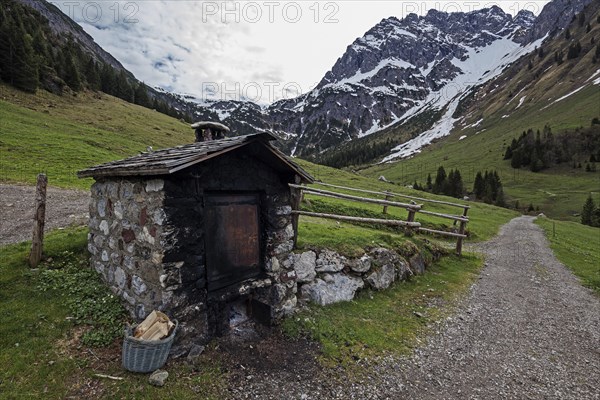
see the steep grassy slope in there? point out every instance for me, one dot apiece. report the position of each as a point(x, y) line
point(519, 99)
point(62, 134)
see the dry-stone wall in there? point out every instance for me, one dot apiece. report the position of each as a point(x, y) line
point(326, 277)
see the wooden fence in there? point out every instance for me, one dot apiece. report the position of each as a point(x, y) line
point(412, 208)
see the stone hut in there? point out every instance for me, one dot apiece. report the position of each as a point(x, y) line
point(199, 231)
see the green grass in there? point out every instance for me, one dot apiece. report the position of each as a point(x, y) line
point(485, 220)
point(30, 321)
point(382, 322)
point(60, 135)
point(42, 352)
point(578, 247)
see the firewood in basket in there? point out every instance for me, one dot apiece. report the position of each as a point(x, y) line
point(156, 326)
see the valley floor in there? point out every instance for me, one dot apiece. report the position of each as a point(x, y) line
point(527, 329)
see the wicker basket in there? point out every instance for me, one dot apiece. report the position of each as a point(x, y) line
point(145, 355)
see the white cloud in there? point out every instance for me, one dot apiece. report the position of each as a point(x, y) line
point(241, 47)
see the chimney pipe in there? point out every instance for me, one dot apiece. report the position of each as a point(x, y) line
point(208, 130)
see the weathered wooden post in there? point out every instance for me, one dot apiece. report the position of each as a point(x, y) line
point(387, 198)
point(39, 217)
point(461, 230)
point(411, 218)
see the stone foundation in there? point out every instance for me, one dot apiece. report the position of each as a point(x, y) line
point(325, 277)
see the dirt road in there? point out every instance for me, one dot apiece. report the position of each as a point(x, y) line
point(63, 208)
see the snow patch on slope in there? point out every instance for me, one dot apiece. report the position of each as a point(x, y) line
point(361, 76)
point(480, 66)
point(568, 94)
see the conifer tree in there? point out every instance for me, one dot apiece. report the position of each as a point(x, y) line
point(587, 213)
point(479, 186)
point(141, 96)
point(72, 77)
point(19, 66)
point(440, 180)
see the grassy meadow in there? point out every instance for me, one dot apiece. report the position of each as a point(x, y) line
point(60, 135)
point(577, 246)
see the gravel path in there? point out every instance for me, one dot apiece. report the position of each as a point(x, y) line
point(527, 330)
point(63, 208)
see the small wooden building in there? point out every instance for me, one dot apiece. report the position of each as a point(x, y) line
point(197, 230)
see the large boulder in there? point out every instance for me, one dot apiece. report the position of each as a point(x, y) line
point(417, 264)
point(333, 288)
point(385, 257)
point(382, 278)
point(304, 264)
point(360, 265)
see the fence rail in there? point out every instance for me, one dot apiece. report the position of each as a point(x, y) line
point(412, 208)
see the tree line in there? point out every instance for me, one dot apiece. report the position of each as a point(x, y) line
point(541, 150)
point(355, 153)
point(32, 56)
point(487, 186)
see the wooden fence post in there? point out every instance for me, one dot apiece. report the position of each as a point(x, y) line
point(387, 198)
point(39, 217)
point(461, 230)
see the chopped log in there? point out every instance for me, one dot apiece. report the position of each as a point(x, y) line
point(158, 330)
point(39, 217)
point(156, 326)
point(356, 198)
point(392, 222)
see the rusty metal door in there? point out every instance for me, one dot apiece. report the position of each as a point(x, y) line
point(232, 238)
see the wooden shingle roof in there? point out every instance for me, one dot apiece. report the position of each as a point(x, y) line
point(171, 160)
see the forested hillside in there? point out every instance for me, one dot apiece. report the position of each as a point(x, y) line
point(33, 57)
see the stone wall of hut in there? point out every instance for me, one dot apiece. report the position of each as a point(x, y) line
point(126, 240)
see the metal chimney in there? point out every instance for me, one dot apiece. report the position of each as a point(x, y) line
point(208, 130)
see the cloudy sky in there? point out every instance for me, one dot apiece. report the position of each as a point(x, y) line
point(257, 50)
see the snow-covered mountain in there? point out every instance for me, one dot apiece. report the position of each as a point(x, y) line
point(399, 70)
point(402, 68)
